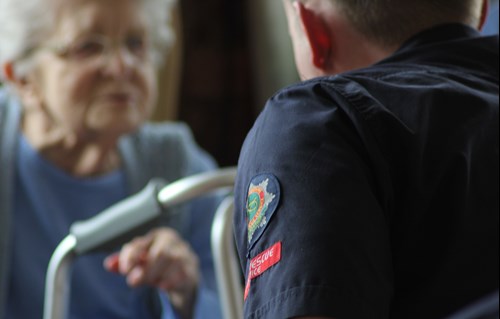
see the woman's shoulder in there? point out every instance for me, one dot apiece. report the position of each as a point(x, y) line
point(164, 135)
point(3, 99)
point(167, 146)
point(8, 100)
point(9, 109)
point(165, 130)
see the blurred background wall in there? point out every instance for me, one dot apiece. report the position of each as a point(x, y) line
point(230, 57)
point(270, 49)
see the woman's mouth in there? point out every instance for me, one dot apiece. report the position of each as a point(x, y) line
point(119, 98)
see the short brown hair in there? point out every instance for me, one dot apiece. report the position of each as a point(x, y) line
point(391, 22)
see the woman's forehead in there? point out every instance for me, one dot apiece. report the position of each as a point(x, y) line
point(112, 17)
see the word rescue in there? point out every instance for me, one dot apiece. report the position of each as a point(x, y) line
point(262, 262)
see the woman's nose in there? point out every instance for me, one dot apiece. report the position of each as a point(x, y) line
point(118, 61)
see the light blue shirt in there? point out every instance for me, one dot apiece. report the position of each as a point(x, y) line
point(47, 201)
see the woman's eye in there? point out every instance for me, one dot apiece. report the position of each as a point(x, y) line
point(87, 49)
point(135, 44)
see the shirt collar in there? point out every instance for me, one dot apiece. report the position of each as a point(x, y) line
point(452, 45)
point(439, 34)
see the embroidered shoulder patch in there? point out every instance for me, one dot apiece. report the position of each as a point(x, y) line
point(262, 201)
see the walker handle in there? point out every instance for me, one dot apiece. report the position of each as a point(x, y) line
point(120, 222)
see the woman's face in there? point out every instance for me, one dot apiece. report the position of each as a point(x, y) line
point(95, 76)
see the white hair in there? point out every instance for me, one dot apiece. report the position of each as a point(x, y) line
point(159, 13)
point(25, 24)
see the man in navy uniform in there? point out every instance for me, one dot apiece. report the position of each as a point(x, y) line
point(371, 189)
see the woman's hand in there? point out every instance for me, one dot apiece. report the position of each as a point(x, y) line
point(164, 260)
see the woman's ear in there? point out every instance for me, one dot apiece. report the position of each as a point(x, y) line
point(317, 35)
point(8, 71)
point(22, 84)
point(11, 76)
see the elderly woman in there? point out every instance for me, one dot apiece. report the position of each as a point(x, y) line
point(80, 81)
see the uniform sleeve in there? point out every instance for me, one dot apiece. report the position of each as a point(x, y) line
point(320, 246)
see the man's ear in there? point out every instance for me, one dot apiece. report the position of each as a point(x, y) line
point(317, 34)
point(484, 13)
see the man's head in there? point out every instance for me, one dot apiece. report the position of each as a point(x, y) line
point(347, 34)
point(390, 22)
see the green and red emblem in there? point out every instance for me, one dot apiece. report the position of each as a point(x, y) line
point(262, 200)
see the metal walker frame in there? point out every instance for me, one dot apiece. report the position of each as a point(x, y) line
point(137, 210)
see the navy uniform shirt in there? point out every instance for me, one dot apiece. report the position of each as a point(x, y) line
point(374, 194)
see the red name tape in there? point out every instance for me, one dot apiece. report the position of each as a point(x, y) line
point(262, 262)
